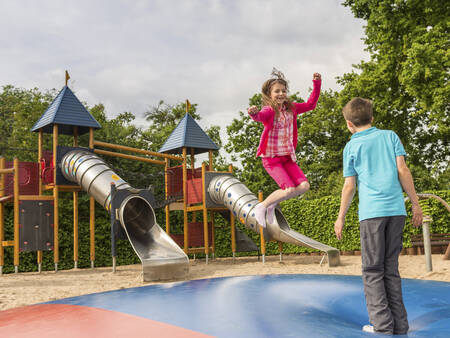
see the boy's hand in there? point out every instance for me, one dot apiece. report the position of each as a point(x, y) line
point(338, 226)
point(417, 216)
point(253, 110)
point(317, 76)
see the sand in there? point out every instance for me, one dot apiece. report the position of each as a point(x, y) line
point(31, 288)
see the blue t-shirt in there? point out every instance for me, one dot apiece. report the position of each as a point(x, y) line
point(370, 155)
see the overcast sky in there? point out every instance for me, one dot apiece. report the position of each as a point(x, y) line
point(128, 55)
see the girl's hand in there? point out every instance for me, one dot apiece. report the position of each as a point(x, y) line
point(253, 110)
point(317, 76)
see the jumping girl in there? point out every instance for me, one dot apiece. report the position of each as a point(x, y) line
point(279, 140)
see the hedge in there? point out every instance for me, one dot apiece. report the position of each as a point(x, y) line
point(312, 218)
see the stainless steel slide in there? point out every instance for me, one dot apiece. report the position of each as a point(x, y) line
point(228, 190)
point(161, 257)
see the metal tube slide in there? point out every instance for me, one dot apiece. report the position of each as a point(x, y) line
point(161, 257)
point(232, 193)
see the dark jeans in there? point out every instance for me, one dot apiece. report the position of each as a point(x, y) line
point(381, 243)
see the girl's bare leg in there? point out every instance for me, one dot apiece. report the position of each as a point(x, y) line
point(281, 195)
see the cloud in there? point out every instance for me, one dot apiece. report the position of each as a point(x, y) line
point(129, 55)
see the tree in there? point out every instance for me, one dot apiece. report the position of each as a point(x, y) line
point(19, 110)
point(407, 76)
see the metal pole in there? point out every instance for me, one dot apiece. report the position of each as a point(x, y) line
point(427, 242)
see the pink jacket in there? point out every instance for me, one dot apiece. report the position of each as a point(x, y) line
point(267, 115)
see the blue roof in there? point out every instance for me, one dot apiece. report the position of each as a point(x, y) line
point(66, 111)
point(190, 135)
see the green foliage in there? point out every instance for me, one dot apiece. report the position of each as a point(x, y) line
point(407, 76)
point(19, 111)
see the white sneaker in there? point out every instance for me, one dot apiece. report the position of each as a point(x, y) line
point(368, 328)
point(260, 214)
point(270, 213)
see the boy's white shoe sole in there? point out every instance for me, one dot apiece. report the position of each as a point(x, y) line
point(368, 328)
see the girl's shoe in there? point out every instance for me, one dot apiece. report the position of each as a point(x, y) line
point(270, 213)
point(260, 214)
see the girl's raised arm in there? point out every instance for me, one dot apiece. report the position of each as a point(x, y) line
point(300, 108)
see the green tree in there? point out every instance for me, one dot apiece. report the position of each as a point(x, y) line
point(407, 77)
point(19, 110)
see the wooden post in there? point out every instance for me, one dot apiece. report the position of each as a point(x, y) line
point(40, 151)
point(16, 215)
point(55, 199)
point(213, 233)
point(40, 143)
point(75, 209)
point(194, 213)
point(263, 243)
point(210, 160)
point(280, 250)
point(92, 210)
point(2, 216)
point(166, 185)
point(185, 214)
point(205, 213)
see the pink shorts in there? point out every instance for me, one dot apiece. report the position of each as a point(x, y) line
point(284, 171)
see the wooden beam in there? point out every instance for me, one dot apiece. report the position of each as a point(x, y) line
point(136, 150)
point(36, 198)
point(129, 157)
point(56, 199)
point(16, 213)
point(2, 213)
point(205, 212)
point(185, 211)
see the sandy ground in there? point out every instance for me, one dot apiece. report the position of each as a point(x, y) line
point(30, 288)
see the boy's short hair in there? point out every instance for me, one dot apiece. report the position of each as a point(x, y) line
point(358, 111)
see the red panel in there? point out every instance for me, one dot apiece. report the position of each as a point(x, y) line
point(175, 179)
point(61, 320)
point(195, 234)
point(194, 191)
point(47, 167)
point(28, 178)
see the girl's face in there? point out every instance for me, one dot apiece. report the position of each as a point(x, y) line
point(278, 93)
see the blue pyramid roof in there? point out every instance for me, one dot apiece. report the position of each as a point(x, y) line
point(190, 135)
point(66, 111)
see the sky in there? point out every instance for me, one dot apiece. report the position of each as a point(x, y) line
point(129, 55)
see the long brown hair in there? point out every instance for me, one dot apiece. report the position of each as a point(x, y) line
point(267, 88)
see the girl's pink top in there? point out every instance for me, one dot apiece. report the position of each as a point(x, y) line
point(267, 115)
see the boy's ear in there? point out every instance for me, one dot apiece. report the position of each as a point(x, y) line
point(349, 124)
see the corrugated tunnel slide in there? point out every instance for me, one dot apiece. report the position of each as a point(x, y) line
point(229, 191)
point(161, 257)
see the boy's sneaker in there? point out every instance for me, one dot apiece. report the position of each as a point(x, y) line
point(270, 213)
point(368, 328)
point(260, 214)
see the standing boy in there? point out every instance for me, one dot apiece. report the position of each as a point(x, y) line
point(374, 160)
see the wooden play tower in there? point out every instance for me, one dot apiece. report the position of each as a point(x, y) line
point(187, 187)
point(34, 188)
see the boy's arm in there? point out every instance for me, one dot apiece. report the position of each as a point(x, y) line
point(348, 191)
point(407, 183)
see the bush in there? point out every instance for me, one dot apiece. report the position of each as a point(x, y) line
point(312, 218)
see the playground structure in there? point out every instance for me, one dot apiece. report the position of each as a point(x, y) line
point(164, 255)
point(192, 190)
